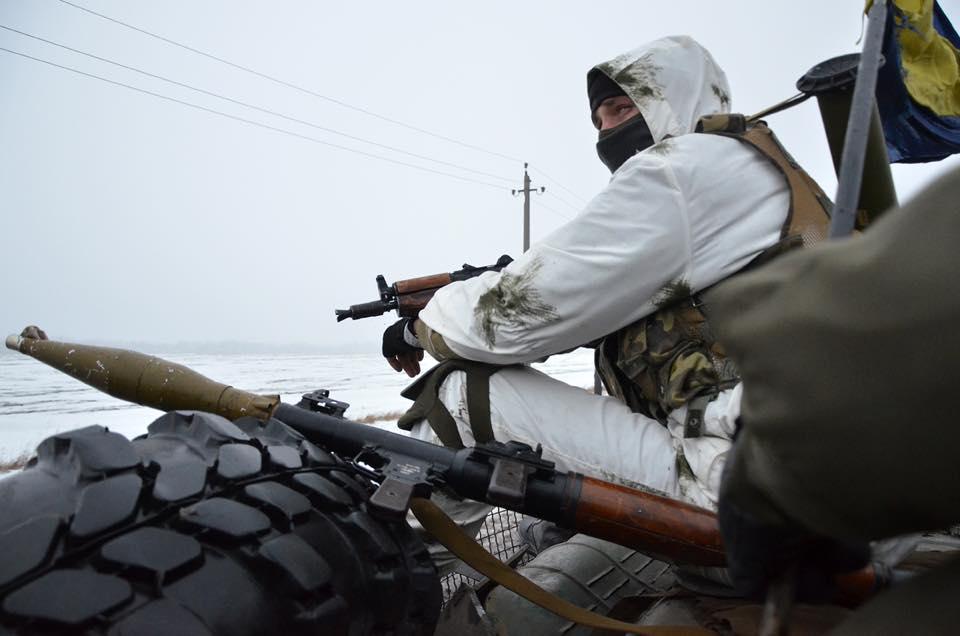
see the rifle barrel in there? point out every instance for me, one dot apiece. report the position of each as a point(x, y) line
point(365, 310)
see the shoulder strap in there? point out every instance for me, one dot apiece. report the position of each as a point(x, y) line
point(809, 215)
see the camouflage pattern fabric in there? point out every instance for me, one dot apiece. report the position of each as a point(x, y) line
point(665, 360)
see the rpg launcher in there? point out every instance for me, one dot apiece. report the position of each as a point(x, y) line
point(511, 475)
point(409, 296)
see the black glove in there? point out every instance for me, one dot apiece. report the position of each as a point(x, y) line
point(394, 341)
point(760, 552)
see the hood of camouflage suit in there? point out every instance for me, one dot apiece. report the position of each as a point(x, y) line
point(673, 81)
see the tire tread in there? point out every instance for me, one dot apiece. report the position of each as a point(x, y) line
point(218, 527)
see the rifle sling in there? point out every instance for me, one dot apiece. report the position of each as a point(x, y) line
point(437, 523)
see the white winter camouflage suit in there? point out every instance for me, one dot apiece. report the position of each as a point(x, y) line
point(694, 208)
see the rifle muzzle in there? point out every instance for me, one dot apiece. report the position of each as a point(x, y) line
point(365, 310)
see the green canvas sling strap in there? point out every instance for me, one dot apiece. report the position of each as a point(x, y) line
point(436, 522)
point(427, 404)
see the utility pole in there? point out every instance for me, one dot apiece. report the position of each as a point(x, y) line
point(526, 205)
point(597, 384)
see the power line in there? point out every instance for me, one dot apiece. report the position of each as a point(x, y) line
point(296, 87)
point(254, 123)
point(254, 106)
point(563, 201)
point(561, 186)
point(557, 212)
point(313, 93)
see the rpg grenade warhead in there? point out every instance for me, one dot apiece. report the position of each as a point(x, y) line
point(142, 379)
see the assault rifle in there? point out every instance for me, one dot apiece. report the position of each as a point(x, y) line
point(409, 296)
point(512, 475)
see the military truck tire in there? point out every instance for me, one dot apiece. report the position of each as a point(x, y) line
point(203, 526)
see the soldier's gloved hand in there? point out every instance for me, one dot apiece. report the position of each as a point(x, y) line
point(401, 347)
point(763, 544)
point(759, 554)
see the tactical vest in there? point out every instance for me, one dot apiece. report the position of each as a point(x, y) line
point(670, 358)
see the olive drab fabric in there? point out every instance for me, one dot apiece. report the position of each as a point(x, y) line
point(666, 359)
point(427, 405)
point(849, 414)
point(849, 356)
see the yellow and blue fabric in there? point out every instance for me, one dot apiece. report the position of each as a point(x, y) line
point(918, 87)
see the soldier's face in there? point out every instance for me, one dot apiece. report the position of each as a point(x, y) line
point(613, 111)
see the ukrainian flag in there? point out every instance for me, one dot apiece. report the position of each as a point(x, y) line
point(918, 87)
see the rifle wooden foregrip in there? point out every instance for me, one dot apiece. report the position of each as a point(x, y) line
point(409, 305)
point(412, 285)
point(676, 531)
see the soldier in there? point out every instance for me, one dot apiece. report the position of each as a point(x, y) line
point(682, 211)
point(849, 432)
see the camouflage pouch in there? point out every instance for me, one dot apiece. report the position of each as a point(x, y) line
point(668, 358)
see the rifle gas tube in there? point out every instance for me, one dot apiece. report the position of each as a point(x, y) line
point(409, 296)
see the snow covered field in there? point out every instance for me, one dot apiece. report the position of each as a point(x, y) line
point(37, 401)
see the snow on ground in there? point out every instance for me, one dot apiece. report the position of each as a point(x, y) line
point(37, 401)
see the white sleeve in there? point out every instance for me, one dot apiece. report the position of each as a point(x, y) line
point(673, 220)
point(599, 272)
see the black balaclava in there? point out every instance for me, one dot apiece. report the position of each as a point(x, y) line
point(618, 144)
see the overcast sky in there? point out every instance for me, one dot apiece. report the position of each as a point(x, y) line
point(128, 217)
